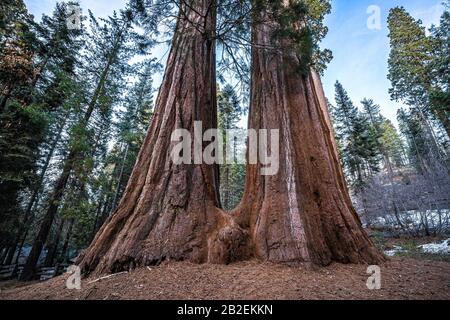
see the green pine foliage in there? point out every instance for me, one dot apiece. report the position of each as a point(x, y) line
point(62, 92)
point(357, 140)
point(418, 147)
point(388, 142)
point(418, 68)
point(393, 144)
point(440, 68)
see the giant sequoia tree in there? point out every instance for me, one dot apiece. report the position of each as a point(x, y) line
point(168, 211)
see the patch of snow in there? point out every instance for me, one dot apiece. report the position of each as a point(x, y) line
point(437, 248)
point(393, 252)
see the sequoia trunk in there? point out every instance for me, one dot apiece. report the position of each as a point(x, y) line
point(171, 211)
point(303, 213)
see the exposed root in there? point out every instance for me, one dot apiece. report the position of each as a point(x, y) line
point(229, 242)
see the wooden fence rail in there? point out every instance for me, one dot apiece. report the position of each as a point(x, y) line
point(43, 273)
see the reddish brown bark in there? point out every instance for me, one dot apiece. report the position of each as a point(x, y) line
point(302, 214)
point(170, 211)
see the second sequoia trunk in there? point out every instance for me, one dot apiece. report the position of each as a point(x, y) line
point(303, 213)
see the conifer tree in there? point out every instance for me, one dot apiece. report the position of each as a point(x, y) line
point(359, 144)
point(393, 144)
point(440, 68)
point(409, 67)
point(412, 128)
point(130, 133)
point(112, 45)
point(382, 131)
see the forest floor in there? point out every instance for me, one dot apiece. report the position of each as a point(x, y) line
point(401, 278)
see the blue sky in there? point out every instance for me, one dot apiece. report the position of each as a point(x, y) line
point(360, 53)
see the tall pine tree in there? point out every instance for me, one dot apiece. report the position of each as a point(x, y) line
point(112, 44)
point(409, 67)
point(358, 144)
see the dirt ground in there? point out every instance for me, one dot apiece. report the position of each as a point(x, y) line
point(401, 279)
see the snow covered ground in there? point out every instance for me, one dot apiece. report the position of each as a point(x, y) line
point(434, 248)
point(437, 248)
point(393, 252)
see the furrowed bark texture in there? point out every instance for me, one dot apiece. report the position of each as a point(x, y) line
point(301, 214)
point(171, 211)
point(304, 213)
